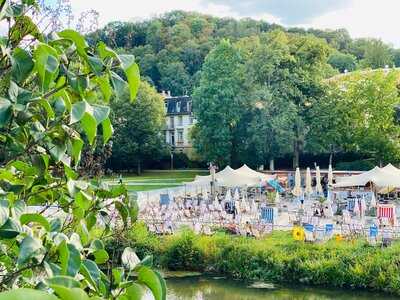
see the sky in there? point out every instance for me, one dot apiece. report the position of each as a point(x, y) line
point(362, 18)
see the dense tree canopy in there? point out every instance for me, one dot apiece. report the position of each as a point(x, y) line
point(138, 128)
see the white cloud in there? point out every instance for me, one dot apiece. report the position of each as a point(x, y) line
point(365, 18)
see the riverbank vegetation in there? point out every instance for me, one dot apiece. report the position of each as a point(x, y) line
point(276, 258)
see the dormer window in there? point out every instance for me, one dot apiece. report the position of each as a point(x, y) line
point(178, 106)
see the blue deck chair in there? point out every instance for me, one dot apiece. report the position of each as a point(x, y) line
point(267, 214)
point(309, 227)
point(164, 199)
point(373, 231)
point(328, 229)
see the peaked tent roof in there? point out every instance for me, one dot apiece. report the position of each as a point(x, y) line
point(245, 170)
point(381, 177)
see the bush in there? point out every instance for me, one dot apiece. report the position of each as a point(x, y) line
point(278, 258)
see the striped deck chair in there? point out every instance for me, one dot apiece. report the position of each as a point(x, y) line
point(267, 215)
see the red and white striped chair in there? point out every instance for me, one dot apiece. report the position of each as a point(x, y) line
point(386, 214)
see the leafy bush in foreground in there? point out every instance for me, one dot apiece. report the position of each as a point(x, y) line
point(54, 92)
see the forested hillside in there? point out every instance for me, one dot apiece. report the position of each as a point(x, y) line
point(261, 91)
point(171, 48)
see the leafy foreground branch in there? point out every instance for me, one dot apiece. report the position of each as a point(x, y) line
point(54, 95)
point(276, 258)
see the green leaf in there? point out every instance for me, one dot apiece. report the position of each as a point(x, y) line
point(100, 113)
point(37, 218)
point(118, 275)
point(55, 225)
point(91, 220)
point(77, 145)
point(123, 211)
point(96, 65)
point(82, 200)
point(105, 52)
point(21, 65)
point(89, 126)
point(70, 259)
point(5, 112)
point(77, 39)
point(46, 64)
point(70, 293)
point(100, 256)
point(18, 94)
point(119, 85)
point(19, 294)
point(58, 151)
point(154, 281)
point(10, 229)
point(107, 130)
point(132, 73)
point(78, 111)
point(97, 245)
point(133, 210)
point(4, 212)
point(105, 87)
point(134, 292)
point(52, 269)
point(65, 281)
point(83, 232)
point(28, 248)
point(47, 107)
point(91, 272)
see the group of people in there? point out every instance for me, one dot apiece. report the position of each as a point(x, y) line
point(202, 214)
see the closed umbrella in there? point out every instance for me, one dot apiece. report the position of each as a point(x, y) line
point(330, 176)
point(356, 208)
point(308, 189)
point(297, 190)
point(373, 201)
point(236, 195)
point(363, 206)
point(318, 178)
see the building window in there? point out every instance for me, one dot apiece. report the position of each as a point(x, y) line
point(178, 106)
point(180, 136)
point(172, 138)
point(171, 122)
point(180, 121)
point(190, 120)
point(189, 106)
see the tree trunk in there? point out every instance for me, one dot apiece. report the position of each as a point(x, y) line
point(296, 154)
point(272, 165)
point(139, 167)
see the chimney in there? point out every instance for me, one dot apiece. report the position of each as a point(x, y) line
point(169, 93)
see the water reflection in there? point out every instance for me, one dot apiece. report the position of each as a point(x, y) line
point(201, 288)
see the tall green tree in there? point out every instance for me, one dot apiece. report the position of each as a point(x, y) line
point(138, 128)
point(363, 105)
point(219, 105)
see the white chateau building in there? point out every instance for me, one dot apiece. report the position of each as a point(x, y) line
point(179, 120)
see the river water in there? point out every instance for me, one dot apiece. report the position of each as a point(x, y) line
point(209, 288)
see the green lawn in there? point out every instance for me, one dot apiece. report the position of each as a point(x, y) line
point(155, 180)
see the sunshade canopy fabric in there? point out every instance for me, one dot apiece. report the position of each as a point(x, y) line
point(388, 176)
point(228, 177)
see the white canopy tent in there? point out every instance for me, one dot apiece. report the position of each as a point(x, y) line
point(388, 176)
point(228, 177)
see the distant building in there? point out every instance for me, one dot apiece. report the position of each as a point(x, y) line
point(179, 120)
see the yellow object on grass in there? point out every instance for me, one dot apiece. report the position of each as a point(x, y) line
point(298, 233)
